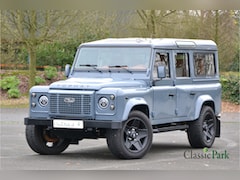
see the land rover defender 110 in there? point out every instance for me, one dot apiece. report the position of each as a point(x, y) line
point(125, 90)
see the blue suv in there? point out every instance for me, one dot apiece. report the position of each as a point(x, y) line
point(125, 90)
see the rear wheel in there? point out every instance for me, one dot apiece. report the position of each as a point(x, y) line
point(135, 138)
point(43, 141)
point(202, 132)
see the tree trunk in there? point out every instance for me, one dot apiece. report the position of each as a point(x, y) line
point(152, 22)
point(32, 65)
point(216, 26)
point(32, 46)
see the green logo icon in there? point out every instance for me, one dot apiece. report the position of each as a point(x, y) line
point(205, 150)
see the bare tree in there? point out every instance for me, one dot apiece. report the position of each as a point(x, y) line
point(33, 27)
point(221, 27)
point(152, 19)
point(104, 23)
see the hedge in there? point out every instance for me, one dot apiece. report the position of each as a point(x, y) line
point(230, 86)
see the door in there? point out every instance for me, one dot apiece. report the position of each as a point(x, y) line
point(164, 91)
point(183, 83)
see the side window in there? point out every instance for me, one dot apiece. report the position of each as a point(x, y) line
point(204, 64)
point(182, 64)
point(161, 59)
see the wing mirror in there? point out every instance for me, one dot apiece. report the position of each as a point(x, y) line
point(161, 72)
point(67, 70)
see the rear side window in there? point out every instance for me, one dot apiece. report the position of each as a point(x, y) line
point(204, 64)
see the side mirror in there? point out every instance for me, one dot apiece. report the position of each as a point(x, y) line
point(67, 70)
point(161, 71)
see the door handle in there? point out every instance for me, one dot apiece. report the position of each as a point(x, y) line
point(192, 93)
point(171, 95)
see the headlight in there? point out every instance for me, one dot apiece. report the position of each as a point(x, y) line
point(103, 102)
point(43, 101)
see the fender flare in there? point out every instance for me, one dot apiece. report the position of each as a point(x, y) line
point(199, 103)
point(130, 104)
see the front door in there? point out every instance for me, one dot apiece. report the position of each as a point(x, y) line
point(164, 91)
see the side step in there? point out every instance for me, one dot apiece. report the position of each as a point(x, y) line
point(170, 128)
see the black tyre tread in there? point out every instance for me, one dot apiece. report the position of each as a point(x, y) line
point(115, 143)
point(37, 144)
point(195, 131)
point(30, 136)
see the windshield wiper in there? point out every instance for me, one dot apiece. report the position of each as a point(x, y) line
point(125, 67)
point(94, 66)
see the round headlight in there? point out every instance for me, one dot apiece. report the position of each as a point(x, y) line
point(43, 101)
point(103, 102)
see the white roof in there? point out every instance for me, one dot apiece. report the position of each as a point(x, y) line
point(156, 43)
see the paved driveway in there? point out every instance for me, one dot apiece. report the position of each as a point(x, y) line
point(170, 151)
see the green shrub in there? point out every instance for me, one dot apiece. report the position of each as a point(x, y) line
point(13, 93)
point(39, 80)
point(57, 53)
point(9, 82)
point(230, 87)
point(50, 72)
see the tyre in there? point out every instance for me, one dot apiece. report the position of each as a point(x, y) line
point(202, 132)
point(134, 140)
point(44, 142)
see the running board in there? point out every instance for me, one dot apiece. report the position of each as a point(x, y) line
point(170, 128)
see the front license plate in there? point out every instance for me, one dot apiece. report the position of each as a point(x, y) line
point(69, 124)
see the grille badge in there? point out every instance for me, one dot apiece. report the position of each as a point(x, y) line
point(69, 100)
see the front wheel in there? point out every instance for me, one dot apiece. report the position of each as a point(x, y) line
point(135, 138)
point(202, 132)
point(43, 141)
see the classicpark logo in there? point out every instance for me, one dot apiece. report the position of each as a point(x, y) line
point(206, 154)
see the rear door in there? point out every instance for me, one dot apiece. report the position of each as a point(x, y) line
point(183, 83)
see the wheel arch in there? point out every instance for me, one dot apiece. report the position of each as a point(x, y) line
point(204, 100)
point(141, 107)
point(135, 104)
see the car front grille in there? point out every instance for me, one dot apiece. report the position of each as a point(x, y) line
point(79, 105)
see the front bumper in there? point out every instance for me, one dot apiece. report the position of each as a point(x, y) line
point(87, 123)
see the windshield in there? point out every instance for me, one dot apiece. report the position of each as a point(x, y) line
point(109, 58)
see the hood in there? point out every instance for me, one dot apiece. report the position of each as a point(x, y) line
point(96, 83)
